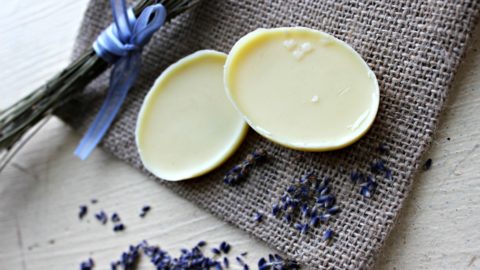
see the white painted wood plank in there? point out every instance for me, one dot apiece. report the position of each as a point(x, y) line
point(41, 190)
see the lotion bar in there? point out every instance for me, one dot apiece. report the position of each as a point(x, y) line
point(301, 88)
point(187, 126)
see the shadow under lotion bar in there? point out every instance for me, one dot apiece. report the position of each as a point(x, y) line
point(301, 88)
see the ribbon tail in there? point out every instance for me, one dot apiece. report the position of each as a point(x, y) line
point(121, 79)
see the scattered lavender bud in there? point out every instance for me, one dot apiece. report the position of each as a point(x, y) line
point(240, 171)
point(326, 201)
point(428, 164)
point(93, 201)
point(324, 198)
point(216, 251)
point(365, 192)
point(305, 210)
point(115, 218)
point(291, 189)
point(245, 267)
point(377, 166)
point(325, 217)
point(330, 202)
point(275, 209)
point(240, 261)
point(368, 188)
point(225, 247)
point(302, 228)
point(388, 174)
point(145, 210)
point(226, 263)
point(333, 210)
point(201, 243)
point(118, 227)
point(243, 254)
point(261, 263)
point(87, 265)
point(258, 156)
point(258, 217)
point(326, 181)
point(327, 235)
point(314, 221)
point(83, 211)
point(355, 176)
point(304, 178)
point(296, 202)
point(383, 148)
point(277, 262)
point(128, 259)
point(102, 217)
point(325, 190)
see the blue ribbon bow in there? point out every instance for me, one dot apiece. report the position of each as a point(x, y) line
point(121, 45)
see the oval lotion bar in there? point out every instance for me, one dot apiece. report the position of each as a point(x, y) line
point(301, 88)
point(187, 126)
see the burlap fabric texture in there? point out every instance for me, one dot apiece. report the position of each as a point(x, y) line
point(414, 48)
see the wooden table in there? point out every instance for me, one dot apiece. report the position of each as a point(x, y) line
point(42, 188)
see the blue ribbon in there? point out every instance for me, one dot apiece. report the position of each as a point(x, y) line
point(121, 45)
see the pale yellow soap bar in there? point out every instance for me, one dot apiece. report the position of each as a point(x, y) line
point(301, 88)
point(187, 126)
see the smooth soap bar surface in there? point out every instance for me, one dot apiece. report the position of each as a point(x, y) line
point(301, 88)
point(187, 126)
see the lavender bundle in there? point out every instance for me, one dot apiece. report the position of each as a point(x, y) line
point(18, 120)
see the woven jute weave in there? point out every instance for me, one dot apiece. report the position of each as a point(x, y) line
point(414, 48)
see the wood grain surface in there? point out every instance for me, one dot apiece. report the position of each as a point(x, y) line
point(40, 191)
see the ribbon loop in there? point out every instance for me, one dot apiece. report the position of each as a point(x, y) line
point(120, 44)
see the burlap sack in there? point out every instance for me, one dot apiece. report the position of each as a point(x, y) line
point(414, 48)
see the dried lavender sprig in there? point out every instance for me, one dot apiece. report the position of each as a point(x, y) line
point(19, 118)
